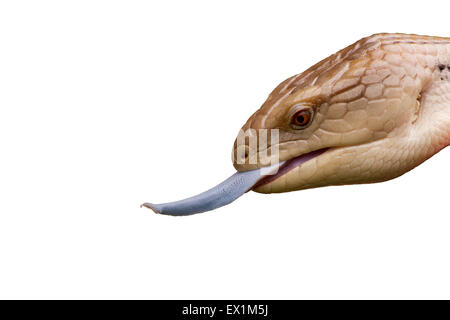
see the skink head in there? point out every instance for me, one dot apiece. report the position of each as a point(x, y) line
point(358, 105)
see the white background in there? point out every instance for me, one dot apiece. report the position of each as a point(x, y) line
point(107, 104)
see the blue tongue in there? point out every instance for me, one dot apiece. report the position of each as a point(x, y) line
point(216, 197)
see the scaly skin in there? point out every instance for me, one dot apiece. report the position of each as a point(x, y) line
point(382, 106)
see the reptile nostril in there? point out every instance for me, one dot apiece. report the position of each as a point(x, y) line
point(241, 154)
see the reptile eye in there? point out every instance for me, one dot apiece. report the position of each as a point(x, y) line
point(302, 118)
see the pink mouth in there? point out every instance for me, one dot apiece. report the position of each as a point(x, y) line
point(289, 165)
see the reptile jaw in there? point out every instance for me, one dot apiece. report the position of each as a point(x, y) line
point(288, 166)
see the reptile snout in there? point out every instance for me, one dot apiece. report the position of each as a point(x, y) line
point(245, 152)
